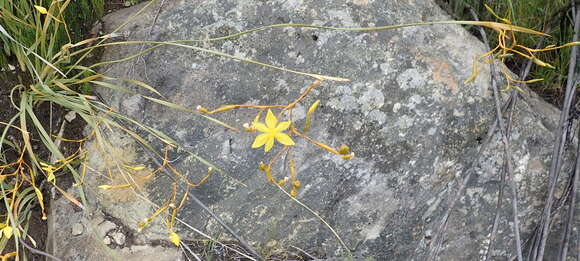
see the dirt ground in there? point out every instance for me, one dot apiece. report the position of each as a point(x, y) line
point(51, 117)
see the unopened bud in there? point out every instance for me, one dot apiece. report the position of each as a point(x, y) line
point(262, 166)
point(201, 109)
point(296, 184)
point(294, 192)
point(248, 127)
point(283, 181)
point(343, 150)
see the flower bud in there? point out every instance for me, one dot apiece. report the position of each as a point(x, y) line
point(201, 109)
point(343, 150)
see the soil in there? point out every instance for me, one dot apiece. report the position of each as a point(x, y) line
point(51, 116)
point(7, 111)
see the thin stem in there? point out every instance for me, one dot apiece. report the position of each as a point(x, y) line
point(317, 216)
point(213, 215)
point(37, 251)
point(304, 94)
point(555, 166)
point(571, 206)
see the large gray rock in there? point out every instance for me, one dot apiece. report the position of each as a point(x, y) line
point(406, 113)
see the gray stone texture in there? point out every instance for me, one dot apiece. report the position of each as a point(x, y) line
point(406, 113)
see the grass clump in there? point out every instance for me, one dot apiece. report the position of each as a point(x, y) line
point(553, 17)
point(45, 34)
point(35, 37)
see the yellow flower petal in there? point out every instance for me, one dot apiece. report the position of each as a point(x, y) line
point(174, 238)
point(269, 144)
point(7, 231)
point(50, 177)
point(271, 120)
point(283, 126)
point(260, 140)
point(284, 139)
point(41, 9)
point(260, 126)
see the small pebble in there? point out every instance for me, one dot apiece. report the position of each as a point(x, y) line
point(77, 229)
point(272, 243)
point(428, 234)
point(119, 238)
point(107, 240)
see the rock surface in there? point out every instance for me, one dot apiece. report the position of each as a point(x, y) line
point(93, 243)
point(406, 113)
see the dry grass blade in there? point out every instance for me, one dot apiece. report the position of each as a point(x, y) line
point(495, 225)
point(185, 109)
point(185, 247)
point(439, 236)
point(555, 166)
point(346, 248)
point(212, 214)
point(38, 252)
point(513, 97)
point(218, 53)
point(211, 165)
point(492, 25)
point(54, 150)
point(507, 153)
point(442, 226)
point(571, 207)
point(214, 240)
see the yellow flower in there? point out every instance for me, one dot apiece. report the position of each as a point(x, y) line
point(49, 171)
point(271, 131)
